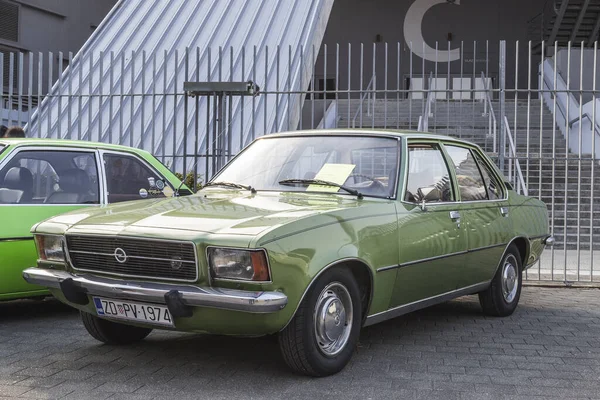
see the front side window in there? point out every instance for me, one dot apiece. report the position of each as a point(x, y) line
point(468, 176)
point(128, 178)
point(50, 177)
point(368, 165)
point(428, 176)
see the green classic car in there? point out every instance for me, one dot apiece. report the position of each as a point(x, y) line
point(309, 235)
point(42, 178)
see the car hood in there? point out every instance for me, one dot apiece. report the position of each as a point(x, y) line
point(210, 211)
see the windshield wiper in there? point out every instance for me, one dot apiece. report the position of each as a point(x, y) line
point(290, 182)
point(232, 185)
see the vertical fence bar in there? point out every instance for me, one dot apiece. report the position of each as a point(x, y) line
point(324, 83)
point(60, 96)
point(579, 165)
point(373, 87)
point(2, 72)
point(337, 83)
point(567, 134)
point(131, 97)
point(360, 84)
point(502, 69)
point(70, 97)
point(528, 125)
point(553, 191)
point(122, 97)
point(398, 90)
point(49, 95)
point(175, 81)
point(40, 73)
point(100, 84)
point(516, 126)
point(230, 108)
point(88, 135)
point(11, 76)
point(254, 97)
point(142, 103)
point(20, 90)
point(385, 86)
point(111, 82)
point(30, 87)
point(197, 123)
point(460, 97)
point(79, 95)
point(186, 72)
point(289, 88)
point(207, 134)
point(349, 80)
point(163, 135)
point(541, 98)
point(266, 96)
point(593, 162)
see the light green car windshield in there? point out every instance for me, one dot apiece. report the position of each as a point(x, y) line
point(367, 165)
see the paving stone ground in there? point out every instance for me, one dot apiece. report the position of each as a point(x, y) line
point(550, 348)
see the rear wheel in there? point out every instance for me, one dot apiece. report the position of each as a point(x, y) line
point(502, 297)
point(321, 338)
point(112, 332)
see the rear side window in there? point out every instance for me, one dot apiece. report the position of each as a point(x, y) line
point(494, 189)
point(470, 182)
point(2, 147)
point(428, 176)
point(128, 178)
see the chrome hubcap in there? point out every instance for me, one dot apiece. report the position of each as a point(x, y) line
point(510, 278)
point(333, 318)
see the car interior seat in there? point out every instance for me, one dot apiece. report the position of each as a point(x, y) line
point(75, 188)
point(18, 186)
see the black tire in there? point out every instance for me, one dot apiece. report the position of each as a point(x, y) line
point(298, 341)
point(493, 300)
point(112, 332)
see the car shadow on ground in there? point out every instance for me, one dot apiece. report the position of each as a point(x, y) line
point(44, 307)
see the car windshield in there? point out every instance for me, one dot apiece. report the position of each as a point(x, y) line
point(352, 165)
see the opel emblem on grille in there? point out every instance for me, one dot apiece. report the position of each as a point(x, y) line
point(120, 255)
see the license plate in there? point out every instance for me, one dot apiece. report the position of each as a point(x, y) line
point(132, 311)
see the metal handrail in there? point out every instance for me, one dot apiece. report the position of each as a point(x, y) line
point(492, 124)
point(424, 119)
point(563, 112)
point(521, 181)
point(362, 98)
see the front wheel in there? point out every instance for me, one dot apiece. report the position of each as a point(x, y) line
point(320, 339)
point(112, 332)
point(502, 297)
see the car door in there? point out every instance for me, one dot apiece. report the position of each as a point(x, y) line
point(485, 213)
point(37, 183)
point(432, 238)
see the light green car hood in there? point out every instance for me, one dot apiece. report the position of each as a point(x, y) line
point(210, 212)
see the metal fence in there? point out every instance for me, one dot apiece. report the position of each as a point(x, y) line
point(534, 113)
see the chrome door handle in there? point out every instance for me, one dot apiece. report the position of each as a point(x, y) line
point(454, 215)
point(504, 211)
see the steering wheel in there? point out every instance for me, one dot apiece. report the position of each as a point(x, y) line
point(376, 184)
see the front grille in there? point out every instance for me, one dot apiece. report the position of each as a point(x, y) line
point(144, 258)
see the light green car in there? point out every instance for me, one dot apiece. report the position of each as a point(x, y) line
point(309, 235)
point(43, 178)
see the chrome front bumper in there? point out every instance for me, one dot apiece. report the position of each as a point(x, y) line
point(80, 286)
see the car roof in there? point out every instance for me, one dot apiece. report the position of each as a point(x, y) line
point(369, 132)
point(65, 143)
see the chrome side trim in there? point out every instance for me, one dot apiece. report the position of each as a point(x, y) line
point(549, 241)
point(419, 304)
point(382, 269)
point(196, 296)
point(16, 239)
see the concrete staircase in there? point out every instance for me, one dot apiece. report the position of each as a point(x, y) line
point(542, 154)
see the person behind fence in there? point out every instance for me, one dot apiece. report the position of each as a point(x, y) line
point(14, 132)
point(3, 130)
